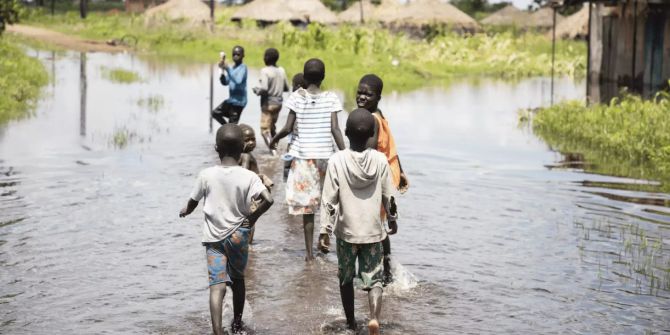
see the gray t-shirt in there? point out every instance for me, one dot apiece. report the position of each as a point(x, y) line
point(228, 191)
point(272, 84)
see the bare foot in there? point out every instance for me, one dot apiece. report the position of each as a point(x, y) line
point(309, 258)
point(373, 327)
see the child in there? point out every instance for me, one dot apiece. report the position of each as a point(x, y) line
point(358, 182)
point(273, 83)
point(314, 114)
point(298, 82)
point(368, 95)
point(228, 190)
point(236, 79)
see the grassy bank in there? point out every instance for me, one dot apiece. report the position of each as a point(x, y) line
point(628, 137)
point(349, 52)
point(21, 81)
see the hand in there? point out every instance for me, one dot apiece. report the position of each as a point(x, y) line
point(248, 223)
point(324, 243)
point(222, 63)
point(393, 226)
point(273, 143)
point(404, 183)
point(183, 212)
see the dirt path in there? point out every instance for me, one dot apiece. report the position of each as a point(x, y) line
point(63, 40)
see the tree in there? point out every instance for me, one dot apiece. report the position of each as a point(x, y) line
point(9, 13)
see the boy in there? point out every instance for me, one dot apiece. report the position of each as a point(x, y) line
point(368, 95)
point(273, 83)
point(236, 79)
point(227, 222)
point(357, 184)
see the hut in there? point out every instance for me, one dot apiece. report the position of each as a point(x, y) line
point(353, 13)
point(575, 26)
point(543, 19)
point(507, 16)
point(296, 11)
point(418, 13)
point(190, 12)
point(628, 45)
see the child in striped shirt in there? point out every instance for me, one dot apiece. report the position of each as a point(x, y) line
point(314, 114)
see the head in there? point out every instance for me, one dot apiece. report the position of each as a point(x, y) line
point(360, 127)
point(298, 81)
point(314, 72)
point(238, 54)
point(229, 141)
point(369, 92)
point(248, 137)
point(271, 56)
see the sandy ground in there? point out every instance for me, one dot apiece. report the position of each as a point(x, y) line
point(63, 40)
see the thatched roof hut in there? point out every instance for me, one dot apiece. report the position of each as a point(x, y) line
point(507, 16)
point(424, 12)
point(353, 13)
point(191, 12)
point(575, 26)
point(543, 18)
point(304, 11)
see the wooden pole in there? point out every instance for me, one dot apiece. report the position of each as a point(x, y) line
point(632, 77)
point(361, 6)
point(588, 56)
point(553, 54)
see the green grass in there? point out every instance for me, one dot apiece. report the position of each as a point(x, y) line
point(628, 137)
point(21, 81)
point(152, 104)
point(120, 76)
point(349, 52)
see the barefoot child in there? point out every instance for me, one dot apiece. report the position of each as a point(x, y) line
point(368, 95)
point(272, 84)
point(314, 114)
point(298, 82)
point(236, 78)
point(228, 190)
point(357, 184)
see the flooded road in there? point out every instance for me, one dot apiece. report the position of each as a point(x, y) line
point(490, 239)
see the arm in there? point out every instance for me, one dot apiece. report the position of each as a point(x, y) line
point(404, 182)
point(288, 128)
point(329, 206)
point(374, 140)
point(262, 89)
point(245, 161)
point(335, 130)
point(190, 206)
point(388, 199)
point(263, 206)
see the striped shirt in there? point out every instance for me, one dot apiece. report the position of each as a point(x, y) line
point(312, 138)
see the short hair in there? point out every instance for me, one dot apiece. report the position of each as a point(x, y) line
point(239, 47)
point(375, 83)
point(271, 56)
point(229, 140)
point(360, 125)
point(298, 81)
point(314, 71)
point(245, 127)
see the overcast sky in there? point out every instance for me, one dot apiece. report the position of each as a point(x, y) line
point(522, 4)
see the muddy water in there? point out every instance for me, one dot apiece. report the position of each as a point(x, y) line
point(490, 240)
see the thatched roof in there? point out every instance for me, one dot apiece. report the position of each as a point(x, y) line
point(286, 10)
point(574, 26)
point(419, 12)
point(543, 18)
point(507, 16)
point(353, 13)
point(193, 12)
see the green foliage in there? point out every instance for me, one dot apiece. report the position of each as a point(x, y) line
point(120, 75)
point(628, 132)
point(9, 13)
point(478, 7)
point(21, 81)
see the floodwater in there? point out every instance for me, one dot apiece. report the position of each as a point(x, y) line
point(496, 235)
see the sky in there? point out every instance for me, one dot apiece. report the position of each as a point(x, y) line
point(521, 4)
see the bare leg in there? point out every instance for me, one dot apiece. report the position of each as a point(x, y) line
point(375, 301)
point(347, 295)
point(239, 296)
point(216, 294)
point(308, 226)
point(388, 275)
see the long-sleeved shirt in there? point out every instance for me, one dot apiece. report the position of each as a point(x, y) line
point(357, 184)
point(236, 79)
point(272, 84)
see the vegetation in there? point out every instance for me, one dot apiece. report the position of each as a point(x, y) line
point(9, 13)
point(152, 103)
point(120, 75)
point(629, 136)
point(21, 81)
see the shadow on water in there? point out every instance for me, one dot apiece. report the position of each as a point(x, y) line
point(498, 233)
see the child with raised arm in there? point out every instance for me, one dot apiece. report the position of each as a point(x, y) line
point(228, 190)
point(368, 95)
point(235, 77)
point(314, 114)
point(272, 84)
point(357, 184)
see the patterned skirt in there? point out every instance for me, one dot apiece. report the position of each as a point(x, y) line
point(303, 185)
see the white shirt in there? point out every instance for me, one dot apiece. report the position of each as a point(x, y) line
point(312, 138)
point(228, 191)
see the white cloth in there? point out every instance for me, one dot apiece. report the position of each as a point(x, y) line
point(228, 191)
point(312, 136)
point(356, 186)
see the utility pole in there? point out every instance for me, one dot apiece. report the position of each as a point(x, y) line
point(361, 4)
point(83, 8)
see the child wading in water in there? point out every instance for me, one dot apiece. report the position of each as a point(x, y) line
point(228, 190)
point(368, 95)
point(236, 78)
point(357, 184)
point(314, 114)
point(298, 82)
point(272, 84)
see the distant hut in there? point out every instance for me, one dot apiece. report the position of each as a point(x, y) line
point(353, 13)
point(417, 13)
point(190, 12)
point(543, 19)
point(296, 11)
point(507, 16)
point(575, 26)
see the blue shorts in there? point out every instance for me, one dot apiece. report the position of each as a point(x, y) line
point(227, 259)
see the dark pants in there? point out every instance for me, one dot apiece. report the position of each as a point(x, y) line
point(227, 110)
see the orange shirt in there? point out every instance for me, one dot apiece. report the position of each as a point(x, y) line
point(386, 145)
